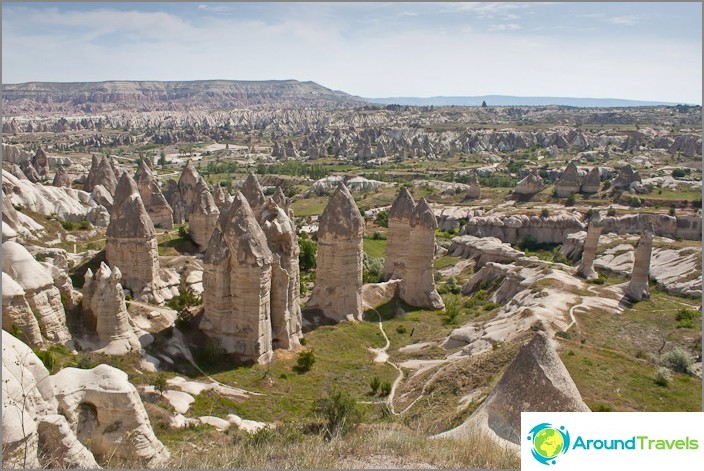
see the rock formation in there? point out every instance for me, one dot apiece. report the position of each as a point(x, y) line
point(102, 196)
point(586, 268)
point(190, 186)
point(173, 197)
point(107, 414)
point(569, 182)
point(222, 197)
point(475, 190)
point(399, 234)
point(237, 284)
point(637, 288)
point(43, 297)
point(30, 173)
point(154, 201)
point(282, 201)
point(101, 173)
point(535, 381)
point(338, 288)
point(532, 184)
point(41, 163)
point(286, 319)
point(418, 285)
point(131, 242)
point(515, 228)
point(16, 313)
point(252, 190)
point(591, 182)
point(626, 178)
point(104, 307)
point(61, 178)
point(483, 250)
point(203, 218)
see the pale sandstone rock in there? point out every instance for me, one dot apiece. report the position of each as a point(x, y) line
point(252, 190)
point(107, 414)
point(59, 446)
point(375, 295)
point(237, 284)
point(338, 288)
point(286, 318)
point(154, 201)
point(483, 250)
point(41, 162)
point(190, 186)
point(282, 201)
point(16, 312)
point(418, 285)
point(101, 173)
point(102, 196)
point(530, 185)
point(586, 267)
point(637, 288)
point(61, 178)
point(591, 182)
point(222, 197)
point(131, 243)
point(399, 234)
point(569, 182)
point(535, 381)
point(203, 219)
point(104, 305)
point(626, 178)
point(43, 297)
point(475, 190)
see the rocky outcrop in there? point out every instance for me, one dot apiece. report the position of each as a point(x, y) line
point(286, 318)
point(107, 414)
point(483, 250)
point(418, 283)
point(17, 315)
point(637, 288)
point(569, 182)
point(104, 308)
point(222, 197)
point(252, 190)
point(535, 381)
point(591, 182)
point(515, 228)
point(102, 197)
point(237, 284)
point(475, 190)
point(203, 218)
point(131, 243)
point(282, 201)
point(337, 294)
point(41, 163)
point(29, 172)
point(154, 201)
point(189, 186)
point(101, 173)
point(531, 185)
point(43, 297)
point(354, 184)
point(398, 235)
point(61, 178)
point(626, 178)
point(173, 197)
point(586, 267)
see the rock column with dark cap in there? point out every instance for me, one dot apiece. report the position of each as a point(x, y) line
point(338, 288)
point(399, 235)
point(418, 283)
point(586, 268)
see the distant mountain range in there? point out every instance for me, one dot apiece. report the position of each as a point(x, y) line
point(505, 100)
point(227, 94)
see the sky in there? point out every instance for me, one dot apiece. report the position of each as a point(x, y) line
point(640, 51)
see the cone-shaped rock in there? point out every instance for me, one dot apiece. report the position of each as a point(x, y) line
point(536, 381)
point(592, 182)
point(154, 201)
point(569, 182)
point(16, 313)
point(131, 242)
point(418, 283)
point(399, 235)
point(173, 197)
point(586, 267)
point(101, 173)
point(43, 297)
point(475, 190)
point(104, 305)
point(338, 285)
point(530, 185)
point(61, 177)
point(237, 284)
point(637, 288)
point(30, 172)
point(41, 162)
point(252, 190)
point(282, 200)
point(203, 218)
point(286, 319)
point(188, 185)
point(222, 197)
point(626, 177)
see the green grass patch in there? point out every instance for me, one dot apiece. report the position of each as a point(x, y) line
point(375, 247)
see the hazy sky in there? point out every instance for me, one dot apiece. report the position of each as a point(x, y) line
point(646, 51)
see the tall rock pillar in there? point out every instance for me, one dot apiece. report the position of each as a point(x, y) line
point(399, 235)
point(586, 267)
point(637, 289)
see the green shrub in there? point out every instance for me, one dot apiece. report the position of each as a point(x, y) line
point(183, 232)
point(305, 361)
point(382, 218)
point(490, 306)
point(545, 212)
point(385, 388)
point(374, 384)
point(452, 311)
point(663, 376)
point(159, 383)
point(306, 258)
point(303, 341)
point(68, 225)
point(86, 361)
point(47, 357)
point(677, 360)
point(570, 200)
point(678, 173)
point(378, 235)
point(373, 269)
point(401, 329)
point(340, 413)
point(602, 408)
point(84, 225)
point(611, 212)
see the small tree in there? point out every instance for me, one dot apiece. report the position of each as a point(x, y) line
point(340, 412)
point(382, 219)
point(385, 388)
point(306, 258)
point(374, 384)
point(484, 105)
point(305, 361)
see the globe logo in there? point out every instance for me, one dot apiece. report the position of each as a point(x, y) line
point(548, 442)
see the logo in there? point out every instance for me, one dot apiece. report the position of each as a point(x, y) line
point(548, 442)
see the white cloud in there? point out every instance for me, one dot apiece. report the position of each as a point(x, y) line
point(626, 20)
point(504, 27)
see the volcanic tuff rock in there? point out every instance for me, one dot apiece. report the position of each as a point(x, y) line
point(418, 283)
point(107, 414)
point(286, 319)
point(43, 297)
point(535, 381)
point(515, 228)
point(282, 201)
point(203, 218)
point(399, 235)
point(475, 190)
point(190, 185)
point(61, 177)
point(569, 182)
point(131, 242)
point(237, 284)
point(530, 185)
point(483, 250)
point(101, 173)
point(154, 201)
point(637, 288)
point(591, 182)
point(41, 163)
point(16, 312)
point(252, 190)
point(172, 194)
point(338, 288)
point(586, 268)
point(104, 306)
point(222, 197)
point(626, 178)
